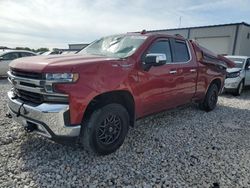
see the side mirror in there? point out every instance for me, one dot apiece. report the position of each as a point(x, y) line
point(248, 67)
point(154, 59)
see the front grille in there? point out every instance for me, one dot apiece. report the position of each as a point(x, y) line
point(30, 87)
point(24, 74)
point(29, 96)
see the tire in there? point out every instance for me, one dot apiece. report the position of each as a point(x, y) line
point(211, 98)
point(106, 129)
point(239, 89)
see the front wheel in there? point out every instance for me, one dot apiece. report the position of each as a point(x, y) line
point(211, 98)
point(106, 129)
point(239, 89)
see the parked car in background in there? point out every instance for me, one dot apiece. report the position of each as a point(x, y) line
point(40, 53)
point(69, 52)
point(51, 53)
point(62, 52)
point(7, 56)
point(239, 76)
point(94, 96)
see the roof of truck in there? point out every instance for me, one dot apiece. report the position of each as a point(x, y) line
point(155, 34)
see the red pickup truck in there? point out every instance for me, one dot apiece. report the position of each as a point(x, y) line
point(94, 96)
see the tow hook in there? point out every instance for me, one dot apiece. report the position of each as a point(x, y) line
point(8, 115)
point(30, 127)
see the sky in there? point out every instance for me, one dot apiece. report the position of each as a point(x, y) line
point(57, 23)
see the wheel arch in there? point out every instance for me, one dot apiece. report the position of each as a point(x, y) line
point(243, 80)
point(123, 97)
point(216, 81)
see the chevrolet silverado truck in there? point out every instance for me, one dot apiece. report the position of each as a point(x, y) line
point(93, 97)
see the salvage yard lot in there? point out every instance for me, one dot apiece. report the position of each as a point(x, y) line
point(184, 147)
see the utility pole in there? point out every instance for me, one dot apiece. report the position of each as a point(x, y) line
point(180, 22)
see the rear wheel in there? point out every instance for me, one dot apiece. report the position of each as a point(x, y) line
point(239, 89)
point(211, 98)
point(106, 129)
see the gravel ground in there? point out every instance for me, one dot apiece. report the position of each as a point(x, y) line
point(184, 147)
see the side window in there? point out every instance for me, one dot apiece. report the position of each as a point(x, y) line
point(181, 51)
point(161, 47)
point(11, 56)
point(25, 54)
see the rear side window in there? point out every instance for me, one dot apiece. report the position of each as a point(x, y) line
point(181, 51)
point(161, 47)
point(11, 56)
point(25, 54)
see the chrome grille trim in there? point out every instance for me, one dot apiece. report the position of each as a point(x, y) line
point(39, 85)
point(25, 74)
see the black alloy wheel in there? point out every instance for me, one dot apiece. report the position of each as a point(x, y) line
point(110, 129)
point(211, 98)
point(105, 130)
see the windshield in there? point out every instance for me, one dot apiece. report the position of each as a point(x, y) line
point(238, 62)
point(120, 46)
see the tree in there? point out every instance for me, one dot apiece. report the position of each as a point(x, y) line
point(24, 48)
point(42, 50)
point(33, 50)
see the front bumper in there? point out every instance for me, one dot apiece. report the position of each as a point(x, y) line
point(49, 120)
point(232, 83)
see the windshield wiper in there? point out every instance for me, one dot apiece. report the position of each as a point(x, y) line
point(115, 42)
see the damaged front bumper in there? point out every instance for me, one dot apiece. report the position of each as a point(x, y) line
point(47, 119)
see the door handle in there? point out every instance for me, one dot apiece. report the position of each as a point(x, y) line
point(173, 72)
point(192, 70)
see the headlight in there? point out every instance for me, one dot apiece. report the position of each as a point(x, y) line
point(57, 78)
point(233, 74)
point(62, 77)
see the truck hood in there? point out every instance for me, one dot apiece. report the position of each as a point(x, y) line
point(55, 63)
point(229, 70)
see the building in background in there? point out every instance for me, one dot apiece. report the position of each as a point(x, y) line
point(230, 39)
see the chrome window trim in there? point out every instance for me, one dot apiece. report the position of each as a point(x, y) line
point(157, 40)
point(189, 52)
point(190, 55)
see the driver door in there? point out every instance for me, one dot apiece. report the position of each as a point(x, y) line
point(157, 86)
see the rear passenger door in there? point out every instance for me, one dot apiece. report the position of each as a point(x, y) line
point(185, 70)
point(247, 78)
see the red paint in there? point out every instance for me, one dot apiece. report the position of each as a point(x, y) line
point(152, 90)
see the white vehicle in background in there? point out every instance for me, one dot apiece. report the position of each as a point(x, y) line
point(239, 76)
point(49, 53)
point(68, 52)
point(7, 56)
point(57, 52)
